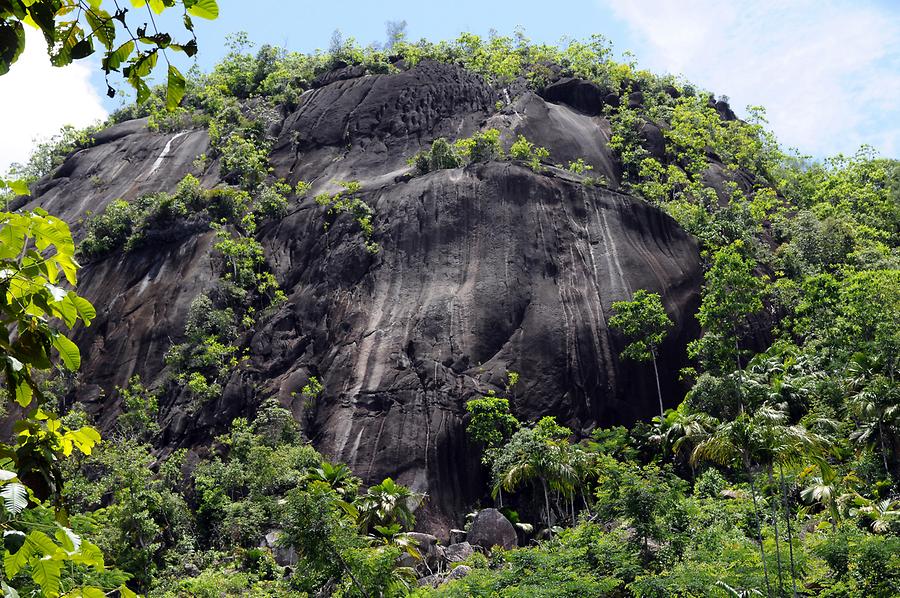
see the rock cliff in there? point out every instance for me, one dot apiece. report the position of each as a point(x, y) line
point(481, 269)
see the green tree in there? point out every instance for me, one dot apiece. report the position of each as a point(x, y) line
point(385, 504)
point(731, 293)
point(735, 443)
point(541, 455)
point(491, 421)
point(645, 322)
point(37, 259)
point(72, 28)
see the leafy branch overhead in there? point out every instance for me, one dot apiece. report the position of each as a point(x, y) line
point(76, 29)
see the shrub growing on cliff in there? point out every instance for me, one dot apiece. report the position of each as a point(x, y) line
point(441, 155)
point(108, 230)
point(491, 421)
point(524, 150)
point(348, 201)
point(482, 146)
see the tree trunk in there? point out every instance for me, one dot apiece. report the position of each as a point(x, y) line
point(584, 499)
point(546, 501)
point(737, 355)
point(883, 451)
point(775, 525)
point(787, 521)
point(762, 548)
point(658, 388)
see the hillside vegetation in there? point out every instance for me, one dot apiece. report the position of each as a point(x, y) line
point(777, 474)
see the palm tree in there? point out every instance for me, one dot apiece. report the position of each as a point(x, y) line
point(338, 476)
point(874, 402)
point(877, 414)
point(784, 444)
point(680, 431)
point(532, 456)
point(879, 513)
point(735, 443)
point(385, 504)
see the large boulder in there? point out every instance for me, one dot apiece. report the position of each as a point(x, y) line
point(428, 548)
point(491, 528)
point(286, 557)
point(458, 573)
point(458, 552)
point(582, 95)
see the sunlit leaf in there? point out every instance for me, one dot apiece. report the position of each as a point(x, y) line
point(205, 9)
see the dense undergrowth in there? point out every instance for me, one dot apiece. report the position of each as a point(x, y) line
point(776, 475)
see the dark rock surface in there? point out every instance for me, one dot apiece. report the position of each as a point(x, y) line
point(458, 552)
point(481, 270)
point(491, 528)
point(582, 95)
point(458, 572)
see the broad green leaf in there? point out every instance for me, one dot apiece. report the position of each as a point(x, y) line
point(12, 42)
point(83, 307)
point(64, 310)
point(19, 187)
point(175, 88)
point(24, 393)
point(102, 25)
point(115, 59)
point(69, 540)
point(13, 562)
point(45, 573)
point(82, 49)
point(205, 9)
point(89, 555)
point(125, 592)
point(42, 543)
point(144, 63)
point(84, 439)
point(68, 351)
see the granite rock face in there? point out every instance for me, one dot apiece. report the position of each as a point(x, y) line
point(480, 270)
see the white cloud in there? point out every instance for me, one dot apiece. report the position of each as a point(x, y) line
point(828, 72)
point(37, 99)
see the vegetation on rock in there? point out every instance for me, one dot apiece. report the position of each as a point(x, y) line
point(777, 474)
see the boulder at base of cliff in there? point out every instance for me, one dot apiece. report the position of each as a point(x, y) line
point(491, 528)
point(458, 573)
point(458, 552)
point(286, 557)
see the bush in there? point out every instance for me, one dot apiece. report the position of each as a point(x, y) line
point(441, 155)
point(244, 162)
point(109, 230)
point(524, 150)
point(483, 146)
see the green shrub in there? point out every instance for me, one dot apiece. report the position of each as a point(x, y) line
point(348, 201)
point(483, 146)
point(242, 159)
point(524, 150)
point(579, 166)
point(109, 230)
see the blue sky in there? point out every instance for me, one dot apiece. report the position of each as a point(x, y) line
point(828, 71)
